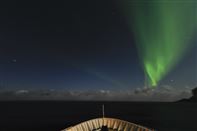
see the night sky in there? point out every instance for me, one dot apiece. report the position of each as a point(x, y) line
point(76, 45)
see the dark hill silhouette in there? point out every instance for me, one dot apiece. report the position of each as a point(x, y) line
point(191, 99)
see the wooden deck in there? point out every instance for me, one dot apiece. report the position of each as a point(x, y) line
point(111, 123)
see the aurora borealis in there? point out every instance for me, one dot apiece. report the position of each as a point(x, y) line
point(97, 46)
point(163, 32)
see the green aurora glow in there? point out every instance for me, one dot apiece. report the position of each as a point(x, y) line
point(163, 32)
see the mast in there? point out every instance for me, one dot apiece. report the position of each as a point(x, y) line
point(103, 110)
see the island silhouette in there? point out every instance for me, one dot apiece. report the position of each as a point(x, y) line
point(193, 98)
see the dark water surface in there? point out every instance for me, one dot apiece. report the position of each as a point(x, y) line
point(57, 115)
